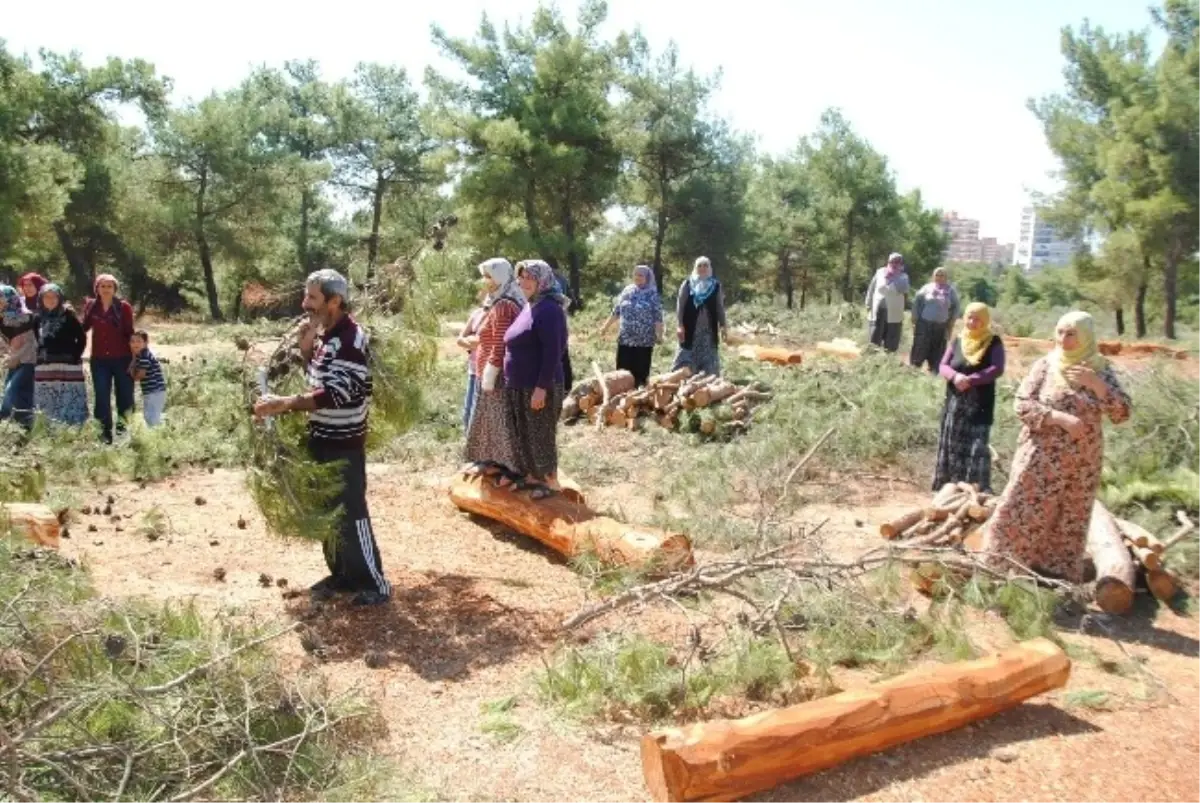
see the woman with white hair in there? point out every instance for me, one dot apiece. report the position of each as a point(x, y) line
point(490, 446)
point(639, 311)
point(935, 308)
point(700, 312)
point(885, 303)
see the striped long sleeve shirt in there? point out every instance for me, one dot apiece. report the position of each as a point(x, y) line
point(340, 376)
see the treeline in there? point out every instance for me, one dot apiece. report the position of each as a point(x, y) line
point(1127, 131)
point(546, 140)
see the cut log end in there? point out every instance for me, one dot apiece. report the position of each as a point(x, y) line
point(1163, 585)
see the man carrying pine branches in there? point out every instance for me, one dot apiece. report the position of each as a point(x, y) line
point(339, 389)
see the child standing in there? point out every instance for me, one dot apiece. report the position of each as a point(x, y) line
point(145, 369)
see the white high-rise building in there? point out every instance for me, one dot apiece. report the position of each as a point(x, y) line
point(1039, 245)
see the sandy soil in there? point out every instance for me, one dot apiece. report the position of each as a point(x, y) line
point(476, 610)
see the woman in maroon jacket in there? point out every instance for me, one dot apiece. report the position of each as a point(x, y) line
point(110, 320)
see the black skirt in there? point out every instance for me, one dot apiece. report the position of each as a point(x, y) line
point(637, 361)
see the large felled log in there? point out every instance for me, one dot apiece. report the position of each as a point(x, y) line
point(727, 760)
point(776, 356)
point(573, 529)
point(36, 522)
point(1115, 571)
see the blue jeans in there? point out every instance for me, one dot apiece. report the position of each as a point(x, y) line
point(469, 403)
point(109, 373)
point(18, 395)
point(153, 405)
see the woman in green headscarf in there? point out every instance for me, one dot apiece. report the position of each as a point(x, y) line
point(1042, 518)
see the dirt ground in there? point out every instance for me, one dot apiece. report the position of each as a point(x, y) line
point(476, 610)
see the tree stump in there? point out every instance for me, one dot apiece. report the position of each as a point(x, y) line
point(36, 522)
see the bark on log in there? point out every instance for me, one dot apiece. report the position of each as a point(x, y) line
point(1162, 585)
point(572, 529)
point(776, 356)
point(617, 382)
point(1140, 536)
point(891, 529)
point(1115, 572)
point(36, 522)
point(1145, 556)
point(671, 377)
point(710, 394)
point(730, 759)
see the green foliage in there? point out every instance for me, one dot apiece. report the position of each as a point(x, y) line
point(129, 696)
point(624, 676)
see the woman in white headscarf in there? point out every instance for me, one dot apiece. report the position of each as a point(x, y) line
point(700, 310)
point(1042, 517)
point(489, 448)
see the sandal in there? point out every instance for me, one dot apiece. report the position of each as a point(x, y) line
point(537, 490)
point(484, 468)
point(504, 479)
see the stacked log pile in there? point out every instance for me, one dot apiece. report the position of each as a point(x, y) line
point(1116, 547)
point(676, 400)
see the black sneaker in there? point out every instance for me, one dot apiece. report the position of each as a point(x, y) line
point(366, 598)
point(325, 589)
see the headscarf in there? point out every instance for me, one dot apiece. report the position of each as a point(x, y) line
point(701, 286)
point(113, 314)
point(14, 313)
point(51, 320)
point(501, 272)
point(1086, 352)
point(940, 291)
point(975, 344)
point(547, 282)
point(648, 290)
point(36, 279)
point(892, 270)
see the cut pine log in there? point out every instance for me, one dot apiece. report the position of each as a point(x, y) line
point(1140, 536)
point(1162, 584)
point(1145, 556)
point(36, 522)
point(572, 529)
point(840, 347)
point(670, 378)
point(896, 527)
point(730, 759)
point(713, 393)
point(1115, 571)
point(776, 356)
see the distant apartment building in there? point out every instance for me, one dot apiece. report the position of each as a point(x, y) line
point(1040, 246)
point(965, 244)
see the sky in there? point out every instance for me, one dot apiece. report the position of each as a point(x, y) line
point(940, 88)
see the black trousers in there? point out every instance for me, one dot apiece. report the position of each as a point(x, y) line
point(353, 559)
point(636, 360)
point(568, 374)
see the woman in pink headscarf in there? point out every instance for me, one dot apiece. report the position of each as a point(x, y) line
point(31, 285)
point(110, 320)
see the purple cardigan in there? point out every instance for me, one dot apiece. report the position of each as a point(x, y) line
point(534, 346)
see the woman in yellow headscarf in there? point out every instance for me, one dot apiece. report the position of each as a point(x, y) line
point(1042, 518)
point(970, 366)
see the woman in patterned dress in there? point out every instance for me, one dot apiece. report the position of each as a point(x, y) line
point(970, 366)
point(700, 310)
point(59, 391)
point(533, 377)
point(489, 447)
point(639, 311)
point(1042, 517)
point(17, 330)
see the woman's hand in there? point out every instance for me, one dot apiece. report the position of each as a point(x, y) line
point(271, 405)
point(538, 400)
point(680, 334)
point(1073, 426)
point(1085, 377)
point(962, 383)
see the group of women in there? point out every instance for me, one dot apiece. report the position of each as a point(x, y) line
point(1041, 520)
point(46, 340)
point(516, 347)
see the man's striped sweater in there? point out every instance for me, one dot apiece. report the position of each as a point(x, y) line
point(340, 376)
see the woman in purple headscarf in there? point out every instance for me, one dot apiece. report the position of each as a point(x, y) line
point(533, 377)
point(639, 310)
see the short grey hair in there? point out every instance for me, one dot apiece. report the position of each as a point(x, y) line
point(331, 283)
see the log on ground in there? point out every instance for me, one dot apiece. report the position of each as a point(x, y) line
point(572, 529)
point(775, 356)
point(840, 347)
point(1162, 585)
point(1115, 570)
point(36, 522)
point(727, 760)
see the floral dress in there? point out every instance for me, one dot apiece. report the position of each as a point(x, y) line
point(1042, 517)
